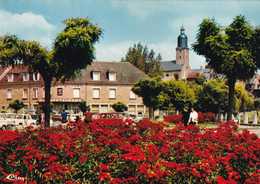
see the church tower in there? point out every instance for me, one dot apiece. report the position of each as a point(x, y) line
point(182, 50)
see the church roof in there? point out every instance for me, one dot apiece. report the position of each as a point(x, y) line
point(171, 66)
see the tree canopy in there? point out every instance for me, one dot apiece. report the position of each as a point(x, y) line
point(119, 107)
point(213, 96)
point(73, 50)
point(145, 60)
point(16, 105)
point(229, 51)
point(149, 90)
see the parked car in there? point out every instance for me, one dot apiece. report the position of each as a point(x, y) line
point(3, 122)
point(23, 120)
point(109, 117)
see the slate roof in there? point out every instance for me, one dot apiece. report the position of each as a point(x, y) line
point(17, 72)
point(126, 73)
point(171, 66)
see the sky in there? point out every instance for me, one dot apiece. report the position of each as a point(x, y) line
point(154, 23)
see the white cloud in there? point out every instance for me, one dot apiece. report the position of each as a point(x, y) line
point(27, 26)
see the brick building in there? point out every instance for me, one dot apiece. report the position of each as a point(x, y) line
point(99, 85)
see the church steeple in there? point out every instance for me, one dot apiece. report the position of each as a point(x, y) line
point(182, 39)
point(182, 50)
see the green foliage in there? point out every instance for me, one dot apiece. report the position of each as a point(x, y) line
point(243, 102)
point(165, 95)
point(232, 51)
point(179, 93)
point(119, 107)
point(149, 90)
point(213, 97)
point(73, 48)
point(201, 79)
point(228, 51)
point(16, 105)
point(83, 106)
point(146, 61)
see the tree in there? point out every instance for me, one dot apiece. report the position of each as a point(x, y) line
point(16, 105)
point(150, 90)
point(179, 94)
point(213, 97)
point(73, 50)
point(83, 107)
point(228, 51)
point(119, 107)
point(146, 61)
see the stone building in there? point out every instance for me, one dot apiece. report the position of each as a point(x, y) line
point(99, 85)
point(179, 68)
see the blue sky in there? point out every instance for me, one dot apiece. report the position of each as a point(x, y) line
point(155, 23)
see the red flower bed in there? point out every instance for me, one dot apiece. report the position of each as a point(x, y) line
point(124, 153)
point(173, 118)
point(202, 118)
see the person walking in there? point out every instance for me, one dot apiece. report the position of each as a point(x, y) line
point(64, 116)
point(88, 117)
point(185, 116)
point(193, 119)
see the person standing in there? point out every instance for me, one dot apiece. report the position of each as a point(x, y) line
point(193, 119)
point(185, 116)
point(64, 116)
point(88, 116)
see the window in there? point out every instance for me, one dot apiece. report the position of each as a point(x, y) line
point(112, 93)
point(25, 93)
point(132, 95)
point(96, 76)
point(35, 92)
point(59, 91)
point(112, 76)
point(96, 93)
point(76, 92)
point(10, 77)
point(25, 76)
point(36, 76)
point(9, 93)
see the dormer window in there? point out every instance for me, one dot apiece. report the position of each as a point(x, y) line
point(26, 77)
point(112, 76)
point(96, 76)
point(10, 77)
point(36, 76)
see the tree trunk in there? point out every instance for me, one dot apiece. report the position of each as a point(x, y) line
point(231, 95)
point(47, 83)
point(150, 113)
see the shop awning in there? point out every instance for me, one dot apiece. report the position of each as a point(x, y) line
point(71, 100)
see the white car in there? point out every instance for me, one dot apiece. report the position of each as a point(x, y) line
point(3, 122)
point(24, 120)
